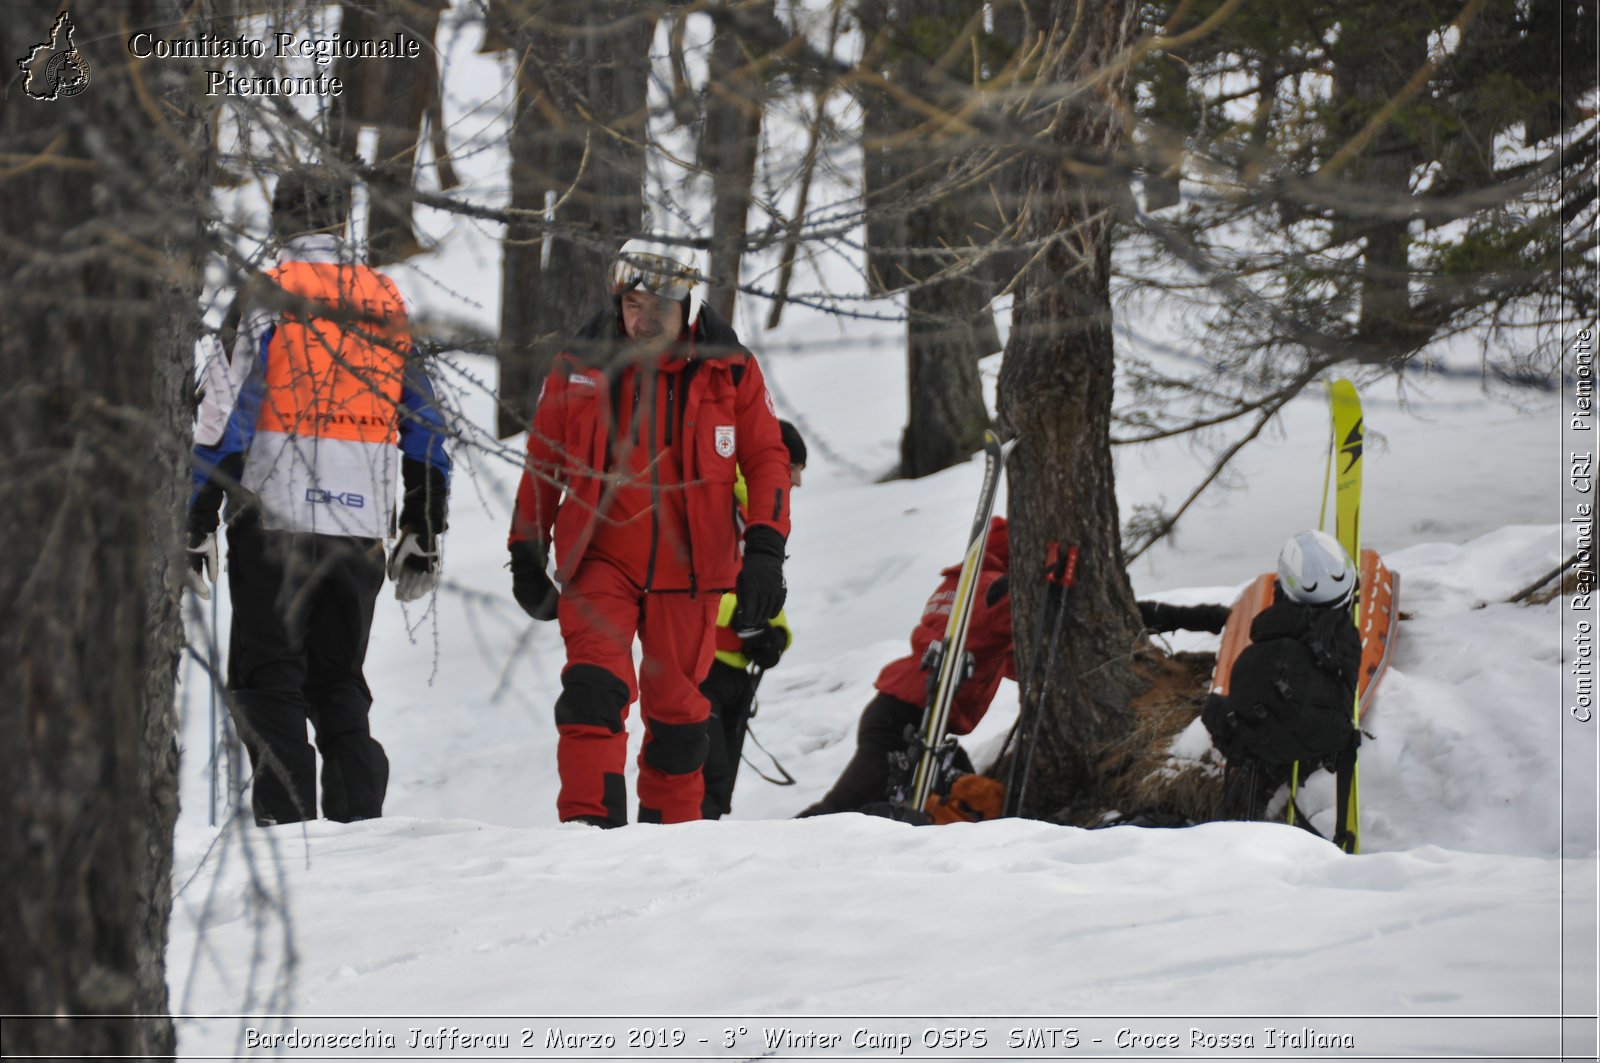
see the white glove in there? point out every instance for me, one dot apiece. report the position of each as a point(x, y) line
point(202, 559)
point(415, 571)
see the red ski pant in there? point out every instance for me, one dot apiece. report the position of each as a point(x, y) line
point(601, 611)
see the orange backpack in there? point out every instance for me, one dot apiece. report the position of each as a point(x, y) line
point(972, 799)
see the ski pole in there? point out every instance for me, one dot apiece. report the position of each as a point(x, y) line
point(1019, 729)
point(211, 669)
point(1034, 632)
point(1068, 575)
point(236, 759)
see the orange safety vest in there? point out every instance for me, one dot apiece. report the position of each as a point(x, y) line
point(340, 376)
point(322, 458)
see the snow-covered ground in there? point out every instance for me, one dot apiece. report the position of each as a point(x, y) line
point(1465, 930)
point(469, 899)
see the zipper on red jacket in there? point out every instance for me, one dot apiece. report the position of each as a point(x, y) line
point(655, 476)
point(683, 459)
point(637, 373)
point(614, 386)
point(671, 392)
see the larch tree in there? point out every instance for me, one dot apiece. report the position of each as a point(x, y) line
point(1056, 395)
point(729, 145)
point(400, 100)
point(103, 205)
point(926, 187)
point(578, 137)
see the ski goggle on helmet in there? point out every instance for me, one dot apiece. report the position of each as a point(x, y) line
point(659, 269)
point(1315, 570)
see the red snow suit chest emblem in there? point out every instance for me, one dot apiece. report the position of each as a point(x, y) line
point(724, 440)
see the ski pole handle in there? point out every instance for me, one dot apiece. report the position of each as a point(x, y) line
point(1061, 567)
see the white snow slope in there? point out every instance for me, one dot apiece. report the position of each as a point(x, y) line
point(1466, 930)
point(469, 900)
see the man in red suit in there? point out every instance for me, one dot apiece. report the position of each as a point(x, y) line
point(632, 459)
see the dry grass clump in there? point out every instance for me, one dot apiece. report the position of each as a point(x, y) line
point(1141, 779)
point(1141, 774)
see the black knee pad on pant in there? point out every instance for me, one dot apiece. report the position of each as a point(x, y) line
point(677, 748)
point(884, 722)
point(591, 696)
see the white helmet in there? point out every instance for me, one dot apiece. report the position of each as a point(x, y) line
point(1315, 570)
point(660, 269)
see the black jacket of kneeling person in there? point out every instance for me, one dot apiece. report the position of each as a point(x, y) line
point(1292, 690)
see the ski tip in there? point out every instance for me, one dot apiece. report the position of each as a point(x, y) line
point(997, 448)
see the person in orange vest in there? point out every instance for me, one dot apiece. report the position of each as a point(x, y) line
point(633, 453)
point(730, 686)
point(297, 428)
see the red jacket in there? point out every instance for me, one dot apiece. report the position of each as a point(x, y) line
point(988, 639)
point(655, 496)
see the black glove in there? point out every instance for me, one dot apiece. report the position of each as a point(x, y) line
point(760, 587)
point(764, 647)
point(530, 585)
point(1223, 723)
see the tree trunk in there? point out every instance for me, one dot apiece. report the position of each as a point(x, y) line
point(1164, 147)
point(398, 98)
point(882, 193)
point(921, 217)
point(101, 266)
point(730, 143)
point(945, 416)
point(577, 145)
point(1371, 68)
point(521, 257)
point(410, 88)
point(1055, 392)
point(361, 100)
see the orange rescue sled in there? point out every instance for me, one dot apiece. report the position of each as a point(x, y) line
point(1380, 612)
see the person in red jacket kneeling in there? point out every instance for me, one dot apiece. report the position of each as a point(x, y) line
point(903, 684)
point(632, 459)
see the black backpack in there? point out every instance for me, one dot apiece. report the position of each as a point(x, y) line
point(1291, 691)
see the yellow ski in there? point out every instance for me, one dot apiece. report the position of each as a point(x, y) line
point(1344, 469)
point(1347, 445)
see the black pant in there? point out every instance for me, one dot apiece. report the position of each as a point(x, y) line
point(880, 735)
point(731, 692)
point(302, 612)
point(865, 779)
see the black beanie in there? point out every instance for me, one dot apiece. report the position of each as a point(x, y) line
point(310, 199)
point(792, 440)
